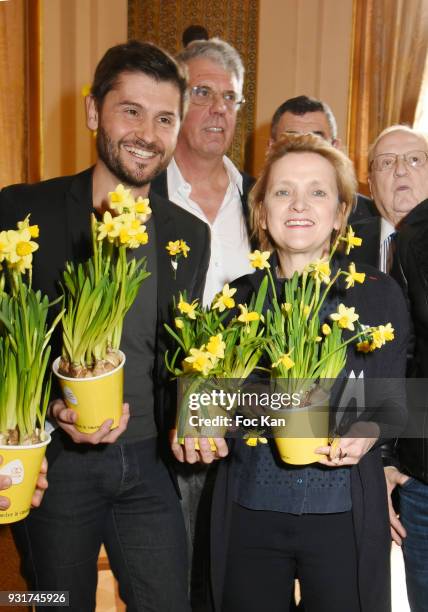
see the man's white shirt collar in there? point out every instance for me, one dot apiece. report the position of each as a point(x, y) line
point(178, 185)
point(229, 239)
point(386, 229)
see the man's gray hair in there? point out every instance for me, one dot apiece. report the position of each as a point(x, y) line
point(394, 128)
point(219, 52)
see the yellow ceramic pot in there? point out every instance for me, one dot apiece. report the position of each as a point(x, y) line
point(22, 465)
point(94, 399)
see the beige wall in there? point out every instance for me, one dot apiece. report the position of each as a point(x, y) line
point(304, 48)
point(75, 34)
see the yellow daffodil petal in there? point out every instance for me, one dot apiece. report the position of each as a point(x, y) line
point(184, 248)
point(320, 270)
point(216, 346)
point(345, 317)
point(224, 299)
point(188, 309)
point(285, 360)
point(173, 248)
point(259, 259)
point(351, 239)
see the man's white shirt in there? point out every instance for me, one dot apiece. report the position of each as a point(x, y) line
point(385, 251)
point(229, 238)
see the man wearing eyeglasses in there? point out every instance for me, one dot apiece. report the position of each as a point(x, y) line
point(203, 180)
point(398, 180)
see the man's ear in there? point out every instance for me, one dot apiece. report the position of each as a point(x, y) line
point(91, 113)
point(336, 142)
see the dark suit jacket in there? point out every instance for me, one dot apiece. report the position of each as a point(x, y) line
point(160, 186)
point(62, 208)
point(410, 268)
point(365, 208)
point(378, 300)
point(369, 230)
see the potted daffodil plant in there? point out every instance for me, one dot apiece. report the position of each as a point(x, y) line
point(213, 345)
point(307, 354)
point(24, 356)
point(97, 295)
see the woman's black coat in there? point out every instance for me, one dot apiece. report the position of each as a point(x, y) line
point(378, 300)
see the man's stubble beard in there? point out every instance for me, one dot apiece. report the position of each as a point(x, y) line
point(108, 152)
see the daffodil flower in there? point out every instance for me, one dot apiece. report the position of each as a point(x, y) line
point(176, 248)
point(4, 245)
point(216, 346)
point(142, 209)
point(121, 199)
point(351, 239)
point(173, 248)
point(201, 360)
point(184, 247)
point(382, 334)
point(20, 249)
point(34, 229)
point(345, 317)
point(224, 299)
point(110, 227)
point(285, 360)
point(247, 317)
point(137, 239)
point(353, 276)
point(259, 259)
point(364, 346)
point(179, 323)
point(187, 309)
point(320, 270)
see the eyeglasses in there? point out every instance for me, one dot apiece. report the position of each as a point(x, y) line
point(388, 161)
point(202, 95)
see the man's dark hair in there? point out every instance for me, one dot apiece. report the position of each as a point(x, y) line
point(194, 32)
point(300, 106)
point(135, 56)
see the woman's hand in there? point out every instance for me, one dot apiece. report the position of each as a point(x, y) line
point(359, 439)
point(196, 450)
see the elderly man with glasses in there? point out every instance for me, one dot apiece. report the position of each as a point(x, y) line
point(203, 180)
point(398, 180)
point(398, 243)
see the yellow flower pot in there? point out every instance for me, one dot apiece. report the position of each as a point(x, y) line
point(302, 430)
point(214, 425)
point(22, 465)
point(94, 399)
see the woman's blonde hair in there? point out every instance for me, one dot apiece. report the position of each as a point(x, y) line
point(302, 143)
